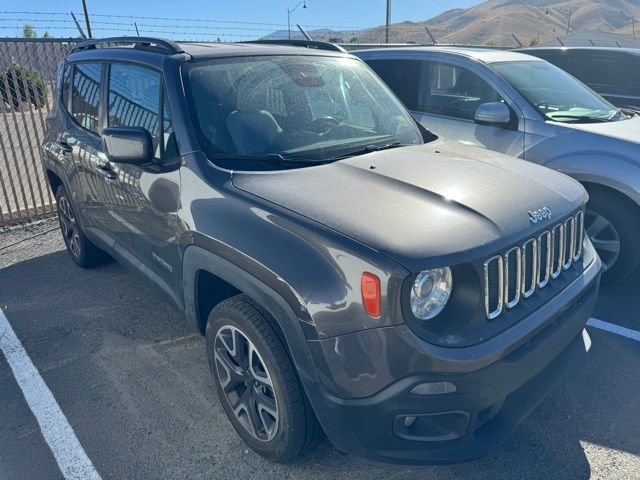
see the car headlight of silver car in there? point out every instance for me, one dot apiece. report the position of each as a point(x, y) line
point(430, 292)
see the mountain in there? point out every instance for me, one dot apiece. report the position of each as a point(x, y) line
point(320, 34)
point(494, 22)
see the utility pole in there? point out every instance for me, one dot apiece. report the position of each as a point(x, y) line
point(388, 26)
point(547, 11)
point(86, 18)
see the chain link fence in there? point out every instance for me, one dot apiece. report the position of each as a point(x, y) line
point(27, 87)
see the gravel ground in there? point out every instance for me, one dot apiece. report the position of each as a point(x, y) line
point(133, 383)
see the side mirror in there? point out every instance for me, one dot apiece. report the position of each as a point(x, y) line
point(127, 145)
point(492, 113)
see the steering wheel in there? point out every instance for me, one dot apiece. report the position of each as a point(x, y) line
point(325, 123)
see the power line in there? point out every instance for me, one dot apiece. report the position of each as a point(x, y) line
point(39, 23)
point(178, 19)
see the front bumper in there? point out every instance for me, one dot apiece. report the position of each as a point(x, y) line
point(492, 396)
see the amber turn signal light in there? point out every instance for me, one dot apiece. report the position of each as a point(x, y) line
point(370, 287)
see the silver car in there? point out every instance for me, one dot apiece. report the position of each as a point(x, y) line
point(526, 107)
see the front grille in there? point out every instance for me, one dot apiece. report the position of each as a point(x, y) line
point(516, 274)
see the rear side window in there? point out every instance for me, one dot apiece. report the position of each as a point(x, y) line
point(135, 101)
point(85, 96)
point(65, 86)
point(403, 76)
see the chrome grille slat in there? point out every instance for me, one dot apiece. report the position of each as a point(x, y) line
point(579, 236)
point(557, 250)
point(512, 295)
point(529, 273)
point(514, 276)
point(489, 310)
point(544, 255)
point(569, 242)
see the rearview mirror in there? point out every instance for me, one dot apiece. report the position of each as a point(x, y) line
point(492, 113)
point(127, 145)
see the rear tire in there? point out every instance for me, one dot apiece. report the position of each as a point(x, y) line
point(256, 382)
point(84, 253)
point(613, 224)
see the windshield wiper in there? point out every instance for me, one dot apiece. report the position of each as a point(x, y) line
point(367, 149)
point(269, 157)
point(579, 118)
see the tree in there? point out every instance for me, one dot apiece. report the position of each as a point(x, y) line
point(46, 34)
point(28, 31)
point(353, 40)
point(24, 85)
point(490, 43)
point(533, 42)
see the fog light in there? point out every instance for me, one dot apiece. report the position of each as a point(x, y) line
point(434, 388)
point(431, 427)
point(409, 420)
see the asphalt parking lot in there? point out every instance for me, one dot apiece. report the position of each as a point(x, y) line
point(134, 386)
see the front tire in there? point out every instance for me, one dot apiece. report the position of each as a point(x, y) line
point(612, 224)
point(84, 253)
point(256, 382)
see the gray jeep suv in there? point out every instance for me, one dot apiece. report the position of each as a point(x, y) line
point(411, 297)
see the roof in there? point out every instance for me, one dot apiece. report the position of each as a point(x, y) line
point(485, 55)
point(594, 39)
point(153, 45)
point(207, 50)
point(633, 51)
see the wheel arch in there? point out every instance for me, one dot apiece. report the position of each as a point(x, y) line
point(278, 311)
point(592, 187)
point(204, 271)
point(54, 180)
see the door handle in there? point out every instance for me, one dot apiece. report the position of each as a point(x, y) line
point(106, 171)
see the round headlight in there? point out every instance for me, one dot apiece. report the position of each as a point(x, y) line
point(430, 292)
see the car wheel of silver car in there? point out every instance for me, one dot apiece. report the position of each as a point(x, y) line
point(82, 251)
point(611, 222)
point(256, 381)
point(604, 237)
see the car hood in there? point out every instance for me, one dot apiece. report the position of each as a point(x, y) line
point(627, 130)
point(428, 205)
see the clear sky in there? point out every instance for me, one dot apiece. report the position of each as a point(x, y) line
point(208, 19)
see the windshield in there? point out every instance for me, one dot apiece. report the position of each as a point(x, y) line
point(303, 107)
point(555, 94)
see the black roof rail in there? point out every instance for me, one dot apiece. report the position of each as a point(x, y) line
point(302, 43)
point(169, 46)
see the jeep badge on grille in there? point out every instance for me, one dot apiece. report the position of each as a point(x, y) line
point(537, 215)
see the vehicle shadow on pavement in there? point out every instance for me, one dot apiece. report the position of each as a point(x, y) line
point(134, 383)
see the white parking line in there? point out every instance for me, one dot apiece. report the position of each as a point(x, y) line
point(613, 328)
point(71, 457)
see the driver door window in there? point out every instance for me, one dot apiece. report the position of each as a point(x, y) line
point(453, 91)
